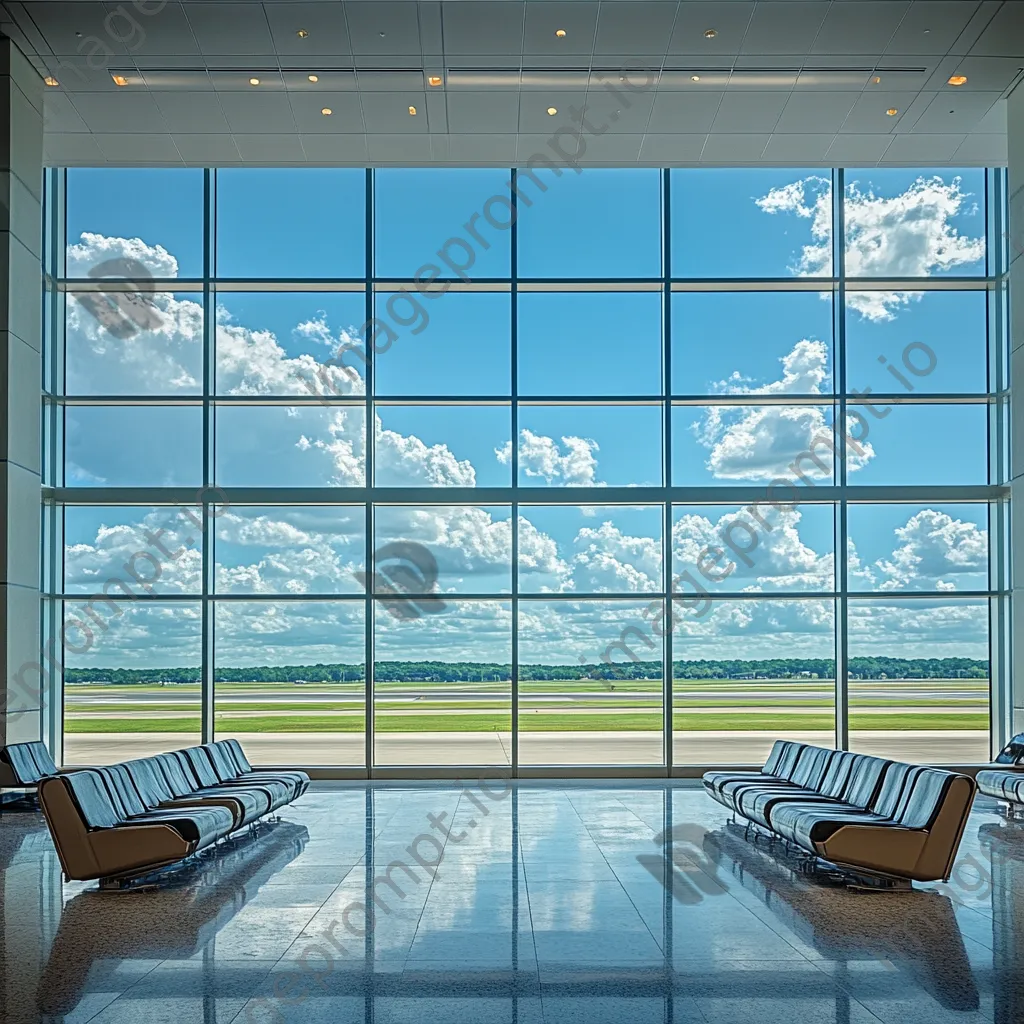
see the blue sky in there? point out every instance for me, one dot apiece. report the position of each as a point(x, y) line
point(601, 224)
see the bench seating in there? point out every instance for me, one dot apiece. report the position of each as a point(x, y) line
point(129, 819)
point(863, 813)
point(1006, 783)
point(25, 765)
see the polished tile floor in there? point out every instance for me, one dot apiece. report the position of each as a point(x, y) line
point(551, 903)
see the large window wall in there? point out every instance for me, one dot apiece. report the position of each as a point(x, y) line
point(411, 469)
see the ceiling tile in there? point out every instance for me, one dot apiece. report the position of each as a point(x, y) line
point(530, 146)
point(955, 111)
point(786, 26)
point(76, 76)
point(869, 112)
point(270, 149)
point(576, 17)
point(473, 27)
point(324, 23)
point(981, 150)
point(922, 149)
point(59, 114)
point(80, 150)
point(686, 112)
point(729, 20)
point(1004, 36)
point(629, 29)
point(857, 150)
point(816, 111)
point(533, 110)
point(388, 113)
point(931, 26)
point(994, 122)
point(398, 149)
point(608, 115)
point(137, 148)
point(163, 33)
point(189, 112)
point(75, 29)
point(345, 118)
point(471, 148)
point(229, 28)
point(859, 26)
point(383, 27)
point(122, 112)
point(335, 149)
point(493, 112)
point(610, 149)
point(251, 112)
point(725, 149)
point(749, 112)
point(798, 149)
point(206, 150)
point(673, 149)
point(987, 74)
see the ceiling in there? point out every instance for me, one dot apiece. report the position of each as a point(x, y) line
point(777, 82)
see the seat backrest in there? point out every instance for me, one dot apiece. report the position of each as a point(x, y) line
point(812, 766)
point(123, 793)
point(30, 762)
point(778, 749)
point(923, 798)
point(788, 759)
point(836, 780)
point(865, 779)
point(202, 767)
point(1013, 752)
point(235, 748)
point(149, 781)
point(897, 784)
point(92, 799)
point(223, 763)
point(179, 778)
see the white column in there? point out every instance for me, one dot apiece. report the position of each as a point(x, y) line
point(21, 183)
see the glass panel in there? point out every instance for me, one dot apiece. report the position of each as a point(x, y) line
point(931, 342)
point(427, 216)
point(728, 548)
point(589, 343)
point(297, 446)
point(141, 343)
point(731, 343)
point(127, 551)
point(442, 683)
point(747, 673)
point(589, 549)
point(461, 345)
point(753, 444)
point(602, 224)
point(133, 446)
point(914, 223)
point(783, 216)
point(276, 343)
point(588, 445)
point(918, 547)
point(131, 679)
point(306, 222)
point(278, 549)
point(919, 680)
point(145, 214)
point(590, 689)
point(442, 446)
point(290, 680)
point(443, 548)
point(919, 444)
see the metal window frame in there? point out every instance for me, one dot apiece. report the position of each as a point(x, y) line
point(840, 494)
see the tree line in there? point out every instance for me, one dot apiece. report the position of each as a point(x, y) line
point(466, 671)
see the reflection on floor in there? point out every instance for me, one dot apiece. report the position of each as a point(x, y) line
point(595, 902)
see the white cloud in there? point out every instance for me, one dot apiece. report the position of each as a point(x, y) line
point(907, 235)
point(542, 457)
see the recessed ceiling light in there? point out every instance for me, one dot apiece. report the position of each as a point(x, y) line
point(326, 111)
point(560, 33)
point(50, 81)
point(119, 79)
point(892, 111)
point(254, 81)
point(694, 78)
point(876, 80)
point(302, 33)
point(434, 80)
point(710, 33)
point(314, 78)
point(552, 111)
point(956, 80)
point(412, 111)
